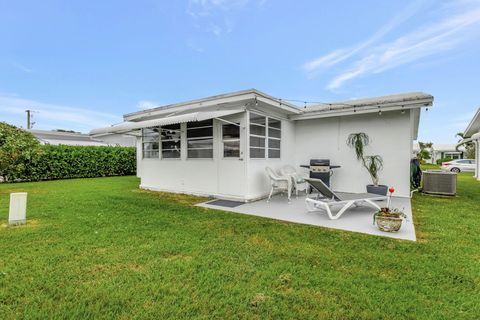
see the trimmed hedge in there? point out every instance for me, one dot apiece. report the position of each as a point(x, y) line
point(439, 161)
point(65, 162)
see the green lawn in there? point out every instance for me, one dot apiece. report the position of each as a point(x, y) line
point(101, 248)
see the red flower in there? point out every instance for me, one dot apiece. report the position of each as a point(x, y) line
point(391, 190)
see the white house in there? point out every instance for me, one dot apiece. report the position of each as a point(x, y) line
point(472, 133)
point(441, 151)
point(81, 139)
point(219, 146)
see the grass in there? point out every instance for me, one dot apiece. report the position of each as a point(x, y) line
point(102, 248)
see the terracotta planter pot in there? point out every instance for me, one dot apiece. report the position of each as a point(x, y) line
point(388, 224)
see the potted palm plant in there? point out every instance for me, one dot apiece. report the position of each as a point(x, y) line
point(373, 163)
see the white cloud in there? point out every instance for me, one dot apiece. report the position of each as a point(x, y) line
point(460, 122)
point(51, 116)
point(426, 41)
point(21, 67)
point(454, 29)
point(146, 104)
point(340, 55)
point(216, 16)
point(197, 8)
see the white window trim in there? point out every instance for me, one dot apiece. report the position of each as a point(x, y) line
point(160, 146)
point(201, 138)
point(231, 139)
point(143, 146)
point(266, 137)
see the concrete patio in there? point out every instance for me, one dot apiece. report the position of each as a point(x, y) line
point(357, 219)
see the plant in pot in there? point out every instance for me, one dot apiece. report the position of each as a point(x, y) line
point(373, 164)
point(389, 220)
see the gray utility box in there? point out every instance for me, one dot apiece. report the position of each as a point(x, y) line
point(439, 182)
point(18, 208)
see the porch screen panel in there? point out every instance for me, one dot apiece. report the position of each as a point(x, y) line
point(258, 131)
point(170, 139)
point(274, 138)
point(200, 139)
point(150, 138)
point(231, 140)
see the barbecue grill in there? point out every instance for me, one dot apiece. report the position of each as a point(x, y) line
point(320, 169)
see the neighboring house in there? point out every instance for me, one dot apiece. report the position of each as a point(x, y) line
point(442, 151)
point(81, 139)
point(472, 134)
point(219, 146)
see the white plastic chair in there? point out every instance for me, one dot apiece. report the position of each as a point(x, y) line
point(299, 182)
point(279, 183)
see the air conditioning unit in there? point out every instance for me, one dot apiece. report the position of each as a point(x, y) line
point(439, 182)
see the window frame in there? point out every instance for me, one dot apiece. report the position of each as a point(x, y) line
point(200, 138)
point(235, 124)
point(166, 140)
point(145, 142)
point(250, 135)
point(266, 137)
point(274, 138)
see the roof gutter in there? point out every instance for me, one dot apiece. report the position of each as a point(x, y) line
point(349, 110)
point(219, 100)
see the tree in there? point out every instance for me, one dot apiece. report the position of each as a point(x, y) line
point(424, 153)
point(17, 148)
point(469, 146)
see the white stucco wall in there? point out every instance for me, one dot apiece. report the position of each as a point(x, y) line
point(245, 179)
point(391, 137)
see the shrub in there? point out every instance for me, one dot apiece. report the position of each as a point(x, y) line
point(65, 162)
point(17, 149)
point(22, 158)
point(439, 161)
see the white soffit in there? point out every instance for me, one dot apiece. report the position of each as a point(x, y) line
point(174, 119)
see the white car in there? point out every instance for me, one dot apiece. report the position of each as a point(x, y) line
point(459, 165)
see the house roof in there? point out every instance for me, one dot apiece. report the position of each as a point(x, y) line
point(442, 147)
point(402, 101)
point(368, 105)
point(239, 97)
point(474, 125)
point(267, 103)
point(65, 138)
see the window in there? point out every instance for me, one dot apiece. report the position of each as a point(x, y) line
point(265, 136)
point(200, 139)
point(170, 140)
point(274, 136)
point(231, 140)
point(150, 142)
point(258, 131)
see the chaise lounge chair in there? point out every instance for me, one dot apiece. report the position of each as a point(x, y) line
point(327, 199)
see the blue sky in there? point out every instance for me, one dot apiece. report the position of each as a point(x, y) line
point(82, 64)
